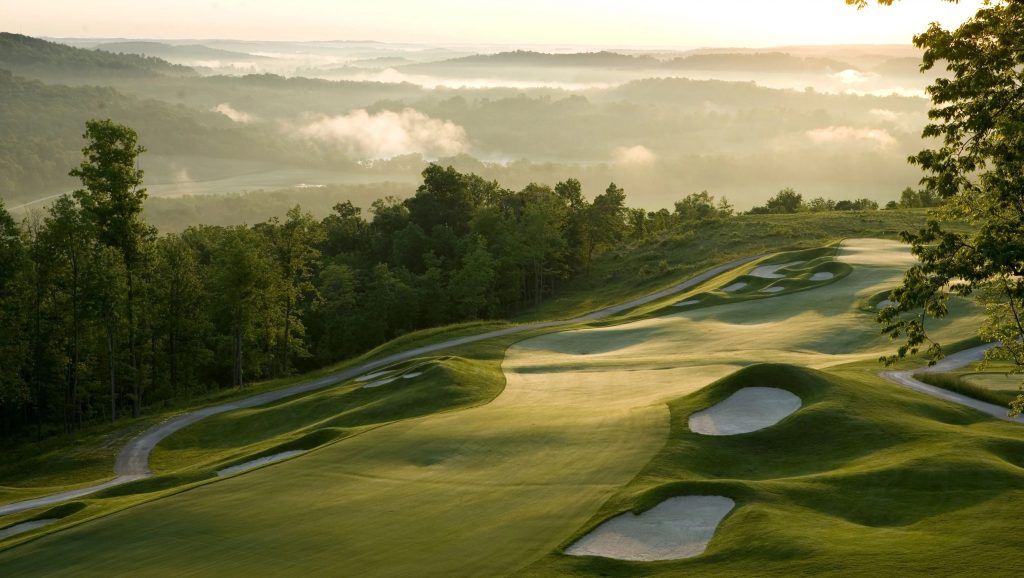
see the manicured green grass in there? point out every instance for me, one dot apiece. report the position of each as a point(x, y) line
point(445, 383)
point(470, 377)
point(36, 468)
point(794, 278)
point(492, 488)
point(865, 479)
point(87, 457)
point(634, 269)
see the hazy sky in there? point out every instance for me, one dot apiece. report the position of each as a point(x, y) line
point(675, 23)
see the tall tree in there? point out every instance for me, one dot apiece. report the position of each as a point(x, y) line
point(606, 221)
point(71, 247)
point(574, 225)
point(295, 245)
point(471, 285)
point(977, 169)
point(178, 294)
point(14, 347)
point(444, 198)
point(112, 198)
point(242, 280)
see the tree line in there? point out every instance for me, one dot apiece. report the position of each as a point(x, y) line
point(789, 201)
point(105, 318)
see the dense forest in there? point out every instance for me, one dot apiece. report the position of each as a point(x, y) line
point(104, 317)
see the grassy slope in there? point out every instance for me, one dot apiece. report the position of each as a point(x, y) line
point(33, 469)
point(504, 483)
point(460, 472)
point(992, 381)
point(56, 464)
point(470, 375)
point(618, 275)
point(864, 479)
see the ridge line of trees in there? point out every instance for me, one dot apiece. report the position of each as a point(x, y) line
point(104, 318)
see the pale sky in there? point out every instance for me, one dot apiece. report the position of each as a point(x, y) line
point(639, 23)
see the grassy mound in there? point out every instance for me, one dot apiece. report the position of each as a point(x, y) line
point(797, 273)
point(311, 420)
point(864, 477)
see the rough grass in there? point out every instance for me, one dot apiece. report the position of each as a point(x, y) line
point(959, 384)
point(994, 381)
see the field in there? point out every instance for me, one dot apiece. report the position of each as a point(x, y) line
point(492, 458)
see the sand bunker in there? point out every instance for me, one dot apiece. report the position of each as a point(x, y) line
point(687, 302)
point(374, 375)
point(258, 462)
point(775, 289)
point(885, 303)
point(735, 287)
point(770, 271)
point(822, 276)
point(676, 528)
point(24, 527)
point(749, 409)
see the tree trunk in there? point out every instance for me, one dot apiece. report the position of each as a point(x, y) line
point(75, 357)
point(113, 370)
point(238, 377)
point(287, 330)
point(133, 368)
point(172, 345)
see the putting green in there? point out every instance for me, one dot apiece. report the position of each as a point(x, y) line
point(486, 490)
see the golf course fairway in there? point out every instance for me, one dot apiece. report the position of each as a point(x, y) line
point(490, 490)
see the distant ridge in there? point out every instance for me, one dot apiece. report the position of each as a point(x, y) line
point(176, 51)
point(739, 61)
point(40, 58)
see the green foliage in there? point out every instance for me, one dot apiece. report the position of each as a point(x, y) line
point(976, 170)
point(129, 320)
point(785, 201)
point(911, 199)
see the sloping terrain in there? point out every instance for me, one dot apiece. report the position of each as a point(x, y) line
point(494, 488)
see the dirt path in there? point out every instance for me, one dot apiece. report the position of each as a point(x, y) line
point(949, 363)
point(133, 460)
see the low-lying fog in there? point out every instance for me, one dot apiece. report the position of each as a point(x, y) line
point(834, 121)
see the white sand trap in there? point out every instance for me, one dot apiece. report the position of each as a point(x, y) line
point(687, 302)
point(735, 287)
point(24, 527)
point(885, 303)
point(771, 271)
point(749, 409)
point(775, 289)
point(412, 375)
point(380, 382)
point(674, 529)
point(373, 376)
point(258, 462)
point(822, 276)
